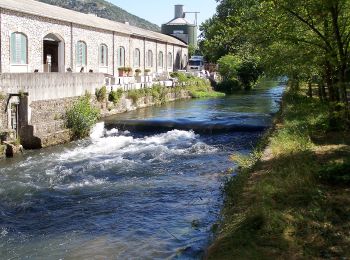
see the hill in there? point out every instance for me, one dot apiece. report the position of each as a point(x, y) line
point(105, 10)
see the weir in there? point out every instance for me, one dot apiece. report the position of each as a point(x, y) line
point(128, 193)
point(161, 125)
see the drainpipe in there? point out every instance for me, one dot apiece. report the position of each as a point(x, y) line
point(173, 57)
point(71, 47)
point(156, 56)
point(144, 54)
point(0, 40)
point(113, 60)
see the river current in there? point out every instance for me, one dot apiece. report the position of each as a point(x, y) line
point(145, 185)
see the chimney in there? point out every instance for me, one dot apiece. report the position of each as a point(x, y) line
point(179, 11)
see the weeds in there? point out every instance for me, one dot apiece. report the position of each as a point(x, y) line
point(101, 94)
point(295, 202)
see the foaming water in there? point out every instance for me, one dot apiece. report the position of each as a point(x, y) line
point(120, 194)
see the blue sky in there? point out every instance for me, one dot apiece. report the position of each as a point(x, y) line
point(162, 11)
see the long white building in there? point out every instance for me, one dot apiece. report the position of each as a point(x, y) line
point(37, 37)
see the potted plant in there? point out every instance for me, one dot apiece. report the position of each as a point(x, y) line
point(121, 71)
point(128, 70)
point(137, 72)
point(147, 72)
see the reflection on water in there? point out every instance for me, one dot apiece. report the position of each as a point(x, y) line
point(121, 194)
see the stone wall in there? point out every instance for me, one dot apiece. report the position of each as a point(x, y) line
point(3, 112)
point(47, 117)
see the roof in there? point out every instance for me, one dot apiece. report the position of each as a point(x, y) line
point(63, 14)
point(179, 21)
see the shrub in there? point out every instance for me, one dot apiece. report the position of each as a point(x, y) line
point(101, 94)
point(114, 96)
point(134, 95)
point(81, 117)
point(138, 71)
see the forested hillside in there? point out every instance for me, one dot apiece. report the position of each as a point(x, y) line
point(104, 9)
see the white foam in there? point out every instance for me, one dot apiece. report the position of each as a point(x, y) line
point(97, 131)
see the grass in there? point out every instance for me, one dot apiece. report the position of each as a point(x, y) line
point(292, 199)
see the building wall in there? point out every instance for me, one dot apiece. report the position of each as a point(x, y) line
point(162, 48)
point(93, 39)
point(36, 28)
point(151, 45)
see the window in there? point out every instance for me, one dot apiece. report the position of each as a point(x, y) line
point(170, 60)
point(19, 48)
point(81, 53)
point(160, 59)
point(103, 55)
point(137, 58)
point(150, 59)
point(121, 57)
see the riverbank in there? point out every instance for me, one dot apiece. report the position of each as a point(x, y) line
point(292, 199)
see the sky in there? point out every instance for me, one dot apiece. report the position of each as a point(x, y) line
point(162, 11)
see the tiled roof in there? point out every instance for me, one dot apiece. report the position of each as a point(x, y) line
point(62, 14)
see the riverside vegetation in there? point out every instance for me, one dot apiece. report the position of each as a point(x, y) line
point(84, 114)
point(291, 200)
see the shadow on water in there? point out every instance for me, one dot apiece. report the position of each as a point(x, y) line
point(126, 193)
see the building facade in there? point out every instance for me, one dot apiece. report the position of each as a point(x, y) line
point(37, 37)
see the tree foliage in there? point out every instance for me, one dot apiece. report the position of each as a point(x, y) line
point(306, 40)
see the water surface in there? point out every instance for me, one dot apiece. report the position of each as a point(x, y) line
point(130, 192)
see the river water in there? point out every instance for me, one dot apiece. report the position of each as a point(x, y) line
point(145, 185)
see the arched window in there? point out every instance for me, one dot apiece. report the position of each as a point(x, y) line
point(184, 61)
point(160, 60)
point(150, 59)
point(137, 58)
point(170, 60)
point(103, 55)
point(19, 48)
point(121, 57)
point(81, 54)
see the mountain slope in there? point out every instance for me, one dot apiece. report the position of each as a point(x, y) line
point(106, 10)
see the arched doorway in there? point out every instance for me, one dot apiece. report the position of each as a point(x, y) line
point(53, 56)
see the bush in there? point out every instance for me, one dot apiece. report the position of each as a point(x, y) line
point(238, 72)
point(101, 94)
point(135, 94)
point(81, 117)
point(114, 96)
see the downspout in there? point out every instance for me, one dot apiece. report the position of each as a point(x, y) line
point(173, 57)
point(156, 56)
point(144, 54)
point(71, 47)
point(113, 60)
point(1, 41)
point(129, 51)
point(166, 57)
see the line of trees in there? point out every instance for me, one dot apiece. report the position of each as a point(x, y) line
point(305, 40)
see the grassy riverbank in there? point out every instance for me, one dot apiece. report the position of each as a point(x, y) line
point(292, 199)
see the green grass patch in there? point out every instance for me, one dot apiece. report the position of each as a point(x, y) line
point(293, 202)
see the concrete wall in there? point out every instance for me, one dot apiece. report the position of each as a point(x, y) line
point(48, 86)
point(37, 27)
point(3, 112)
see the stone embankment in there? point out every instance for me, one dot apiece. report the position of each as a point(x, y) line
point(48, 123)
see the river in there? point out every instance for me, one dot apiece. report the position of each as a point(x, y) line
point(145, 185)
